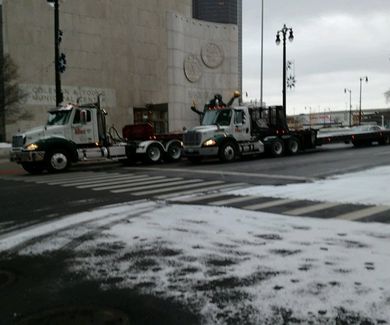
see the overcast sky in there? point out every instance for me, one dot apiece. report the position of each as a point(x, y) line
point(335, 43)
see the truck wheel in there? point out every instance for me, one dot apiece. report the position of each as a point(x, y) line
point(33, 168)
point(293, 146)
point(57, 161)
point(153, 153)
point(277, 148)
point(227, 152)
point(174, 151)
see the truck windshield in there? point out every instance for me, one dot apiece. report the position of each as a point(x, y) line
point(220, 117)
point(58, 117)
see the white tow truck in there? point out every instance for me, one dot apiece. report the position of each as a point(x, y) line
point(75, 133)
point(228, 131)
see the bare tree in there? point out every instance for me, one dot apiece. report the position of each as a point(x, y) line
point(10, 96)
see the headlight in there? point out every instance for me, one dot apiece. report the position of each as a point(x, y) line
point(31, 147)
point(209, 143)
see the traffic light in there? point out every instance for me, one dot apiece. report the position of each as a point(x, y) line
point(62, 63)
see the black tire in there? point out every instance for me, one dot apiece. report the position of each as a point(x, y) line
point(228, 152)
point(277, 148)
point(33, 168)
point(293, 146)
point(57, 161)
point(153, 154)
point(174, 151)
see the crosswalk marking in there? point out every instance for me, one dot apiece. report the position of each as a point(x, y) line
point(126, 181)
point(200, 190)
point(193, 198)
point(311, 208)
point(138, 188)
point(150, 180)
point(356, 215)
point(267, 204)
point(75, 182)
point(213, 192)
point(47, 178)
point(237, 199)
point(185, 186)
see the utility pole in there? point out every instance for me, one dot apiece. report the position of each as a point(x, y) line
point(360, 98)
point(59, 95)
point(2, 94)
point(261, 53)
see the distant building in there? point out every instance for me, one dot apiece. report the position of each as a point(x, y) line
point(380, 116)
point(225, 12)
point(217, 11)
point(148, 59)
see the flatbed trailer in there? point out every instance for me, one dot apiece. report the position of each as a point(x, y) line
point(358, 136)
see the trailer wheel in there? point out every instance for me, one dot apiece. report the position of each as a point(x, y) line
point(174, 151)
point(57, 161)
point(277, 148)
point(227, 152)
point(153, 153)
point(293, 146)
point(33, 168)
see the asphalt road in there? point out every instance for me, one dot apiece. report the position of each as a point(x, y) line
point(37, 284)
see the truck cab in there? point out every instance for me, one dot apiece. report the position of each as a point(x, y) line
point(224, 132)
point(72, 133)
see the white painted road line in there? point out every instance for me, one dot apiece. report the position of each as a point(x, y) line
point(226, 173)
point(138, 188)
point(267, 204)
point(53, 177)
point(181, 187)
point(125, 181)
point(360, 214)
point(149, 180)
point(82, 181)
point(311, 208)
point(199, 190)
point(194, 198)
point(236, 199)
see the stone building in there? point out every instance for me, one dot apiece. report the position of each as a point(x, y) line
point(148, 59)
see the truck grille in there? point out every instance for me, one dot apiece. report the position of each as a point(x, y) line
point(18, 141)
point(192, 138)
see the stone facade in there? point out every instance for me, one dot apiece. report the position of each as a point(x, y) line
point(131, 52)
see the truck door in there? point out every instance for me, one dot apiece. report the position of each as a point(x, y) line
point(241, 125)
point(82, 126)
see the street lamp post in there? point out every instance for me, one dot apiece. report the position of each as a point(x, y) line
point(284, 31)
point(350, 105)
point(261, 53)
point(360, 98)
point(57, 39)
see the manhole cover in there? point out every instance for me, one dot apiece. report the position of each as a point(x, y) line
point(6, 278)
point(77, 315)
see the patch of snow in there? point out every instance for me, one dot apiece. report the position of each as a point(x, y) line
point(365, 187)
point(231, 265)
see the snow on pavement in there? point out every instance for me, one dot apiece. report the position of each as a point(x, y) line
point(365, 187)
point(236, 266)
